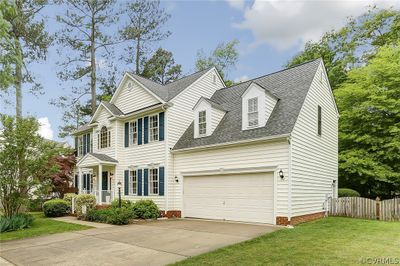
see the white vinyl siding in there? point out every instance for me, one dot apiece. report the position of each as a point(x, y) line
point(314, 157)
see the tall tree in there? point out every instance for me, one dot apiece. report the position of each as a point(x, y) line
point(369, 128)
point(161, 67)
point(30, 43)
point(87, 34)
point(223, 58)
point(353, 44)
point(145, 22)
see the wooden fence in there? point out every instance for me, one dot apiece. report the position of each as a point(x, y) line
point(357, 207)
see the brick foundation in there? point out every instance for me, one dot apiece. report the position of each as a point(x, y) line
point(171, 214)
point(281, 220)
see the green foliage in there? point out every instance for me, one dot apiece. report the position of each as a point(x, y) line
point(68, 198)
point(161, 67)
point(369, 128)
point(145, 209)
point(347, 192)
point(85, 199)
point(55, 208)
point(119, 216)
point(124, 203)
point(25, 162)
point(100, 216)
point(15, 222)
point(223, 58)
point(35, 204)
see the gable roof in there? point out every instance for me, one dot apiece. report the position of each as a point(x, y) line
point(112, 108)
point(290, 86)
point(168, 91)
point(212, 103)
point(101, 158)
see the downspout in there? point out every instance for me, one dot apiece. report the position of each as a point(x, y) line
point(166, 166)
point(290, 180)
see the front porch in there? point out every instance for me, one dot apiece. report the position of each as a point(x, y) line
point(96, 176)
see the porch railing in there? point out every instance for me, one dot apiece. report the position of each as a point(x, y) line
point(107, 196)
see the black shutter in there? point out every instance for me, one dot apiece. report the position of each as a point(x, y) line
point(146, 182)
point(127, 134)
point(140, 131)
point(76, 145)
point(84, 144)
point(161, 181)
point(139, 188)
point(146, 130)
point(161, 127)
point(126, 183)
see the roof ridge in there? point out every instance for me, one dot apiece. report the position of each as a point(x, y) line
point(266, 75)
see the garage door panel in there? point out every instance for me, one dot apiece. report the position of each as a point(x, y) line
point(244, 197)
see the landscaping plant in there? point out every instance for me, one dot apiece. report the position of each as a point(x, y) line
point(55, 208)
point(15, 222)
point(347, 192)
point(145, 209)
point(85, 199)
point(68, 197)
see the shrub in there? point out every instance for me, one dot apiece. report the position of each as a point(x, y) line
point(35, 205)
point(85, 199)
point(55, 208)
point(124, 203)
point(347, 192)
point(145, 209)
point(95, 215)
point(119, 216)
point(68, 198)
point(16, 222)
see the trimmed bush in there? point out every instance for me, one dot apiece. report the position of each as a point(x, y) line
point(347, 192)
point(16, 222)
point(119, 216)
point(145, 209)
point(95, 215)
point(68, 197)
point(85, 199)
point(55, 208)
point(124, 203)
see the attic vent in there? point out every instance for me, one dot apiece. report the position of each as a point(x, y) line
point(214, 79)
point(129, 86)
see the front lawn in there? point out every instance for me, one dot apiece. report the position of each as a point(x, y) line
point(329, 241)
point(42, 226)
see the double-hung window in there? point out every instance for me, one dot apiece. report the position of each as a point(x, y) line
point(105, 138)
point(202, 123)
point(133, 135)
point(253, 112)
point(154, 181)
point(80, 146)
point(133, 183)
point(153, 127)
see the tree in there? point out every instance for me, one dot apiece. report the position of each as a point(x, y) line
point(86, 35)
point(369, 104)
point(30, 43)
point(24, 161)
point(353, 44)
point(223, 58)
point(61, 179)
point(145, 22)
point(161, 67)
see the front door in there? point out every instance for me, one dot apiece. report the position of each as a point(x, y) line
point(105, 197)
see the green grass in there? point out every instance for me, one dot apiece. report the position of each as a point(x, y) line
point(329, 241)
point(42, 226)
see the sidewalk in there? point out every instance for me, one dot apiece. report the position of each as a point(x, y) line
point(74, 220)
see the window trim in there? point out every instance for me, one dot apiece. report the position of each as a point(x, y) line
point(154, 130)
point(107, 139)
point(319, 120)
point(80, 145)
point(252, 112)
point(131, 182)
point(200, 124)
point(152, 182)
point(131, 133)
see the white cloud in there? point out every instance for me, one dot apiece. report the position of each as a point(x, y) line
point(45, 128)
point(285, 24)
point(238, 4)
point(241, 79)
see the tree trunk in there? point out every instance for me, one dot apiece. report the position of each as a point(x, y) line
point(18, 80)
point(138, 54)
point(93, 67)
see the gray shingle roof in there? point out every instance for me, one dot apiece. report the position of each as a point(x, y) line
point(213, 104)
point(169, 91)
point(113, 109)
point(289, 85)
point(103, 157)
point(82, 128)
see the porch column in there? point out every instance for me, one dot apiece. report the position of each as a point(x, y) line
point(99, 187)
point(80, 180)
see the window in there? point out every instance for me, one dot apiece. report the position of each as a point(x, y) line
point(133, 132)
point(154, 128)
point(133, 183)
point(202, 123)
point(319, 120)
point(87, 140)
point(80, 146)
point(105, 137)
point(154, 181)
point(253, 112)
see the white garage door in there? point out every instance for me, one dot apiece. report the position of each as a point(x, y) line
point(239, 197)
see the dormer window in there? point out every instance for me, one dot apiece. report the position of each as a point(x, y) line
point(253, 112)
point(202, 123)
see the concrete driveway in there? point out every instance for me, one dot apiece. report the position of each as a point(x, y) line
point(149, 243)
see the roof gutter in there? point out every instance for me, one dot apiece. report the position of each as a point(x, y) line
point(232, 143)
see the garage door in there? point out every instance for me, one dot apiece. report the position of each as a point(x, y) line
point(239, 197)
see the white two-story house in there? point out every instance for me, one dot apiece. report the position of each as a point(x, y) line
point(264, 150)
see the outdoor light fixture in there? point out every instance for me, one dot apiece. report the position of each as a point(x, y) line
point(119, 185)
point(176, 179)
point(281, 174)
point(111, 174)
point(333, 183)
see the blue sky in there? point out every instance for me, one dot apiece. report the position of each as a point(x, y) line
point(269, 32)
